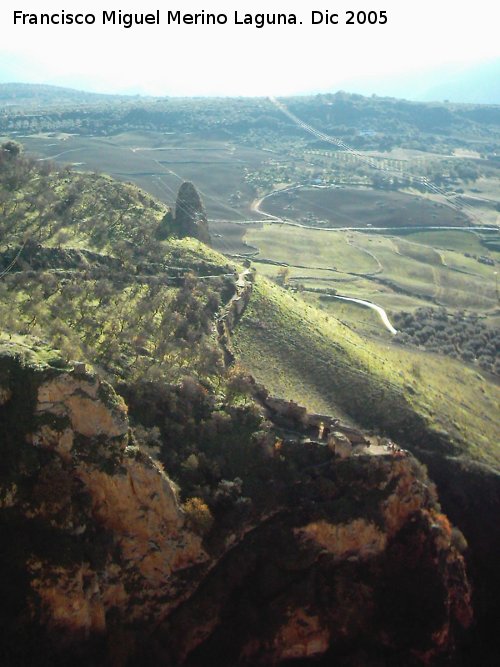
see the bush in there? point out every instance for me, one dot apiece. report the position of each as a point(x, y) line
point(198, 515)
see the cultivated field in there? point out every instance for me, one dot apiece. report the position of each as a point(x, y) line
point(229, 237)
point(395, 272)
point(360, 207)
point(160, 162)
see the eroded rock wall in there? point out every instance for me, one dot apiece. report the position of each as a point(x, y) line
point(360, 571)
point(351, 559)
point(105, 543)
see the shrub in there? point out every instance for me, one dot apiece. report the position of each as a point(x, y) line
point(198, 515)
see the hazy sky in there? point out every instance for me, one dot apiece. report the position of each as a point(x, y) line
point(243, 60)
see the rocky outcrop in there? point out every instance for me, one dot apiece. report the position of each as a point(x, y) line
point(372, 583)
point(105, 543)
point(190, 215)
point(470, 495)
point(100, 563)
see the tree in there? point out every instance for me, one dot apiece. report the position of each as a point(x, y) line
point(283, 276)
point(165, 227)
point(12, 148)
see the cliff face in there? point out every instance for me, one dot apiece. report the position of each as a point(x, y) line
point(361, 571)
point(99, 561)
point(92, 527)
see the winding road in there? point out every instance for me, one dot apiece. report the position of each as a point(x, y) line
point(369, 304)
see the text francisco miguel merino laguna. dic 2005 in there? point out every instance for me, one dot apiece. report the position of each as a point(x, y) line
point(203, 18)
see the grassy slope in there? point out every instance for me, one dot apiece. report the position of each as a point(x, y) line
point(114, 309)
point(298, 351)
point(302, 354)
point(120, 323)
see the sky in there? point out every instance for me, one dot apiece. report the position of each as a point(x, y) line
point(418, 41)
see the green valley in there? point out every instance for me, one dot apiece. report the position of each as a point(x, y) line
point(248, 376)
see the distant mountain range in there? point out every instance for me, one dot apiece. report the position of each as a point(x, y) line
point(41, 95)
point(477, 84)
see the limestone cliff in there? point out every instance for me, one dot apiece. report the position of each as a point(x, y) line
point(92, 527)
point(345, 559)
point(361, 571)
